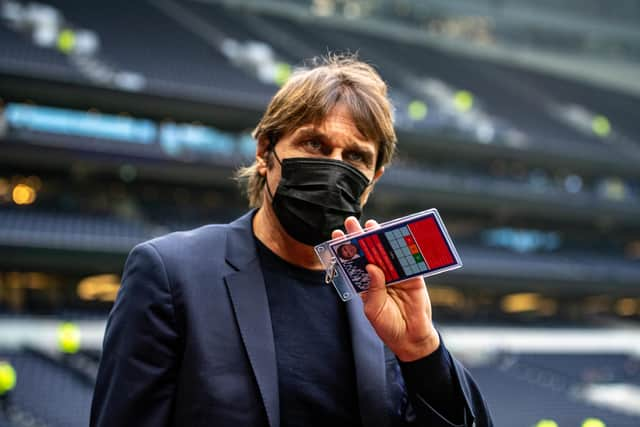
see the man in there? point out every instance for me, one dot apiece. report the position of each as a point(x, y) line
point(233, 325)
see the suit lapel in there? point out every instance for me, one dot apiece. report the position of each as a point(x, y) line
point(368, 354)
point(251, 308)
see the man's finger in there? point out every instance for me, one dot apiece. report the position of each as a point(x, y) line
point(352, 225)
point(371, 223)
point(337, 233)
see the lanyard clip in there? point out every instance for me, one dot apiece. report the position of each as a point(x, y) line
point(332, 272)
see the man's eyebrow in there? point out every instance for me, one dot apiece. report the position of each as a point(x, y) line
point(310, 132)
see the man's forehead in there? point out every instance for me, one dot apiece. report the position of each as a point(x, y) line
point(324, 130)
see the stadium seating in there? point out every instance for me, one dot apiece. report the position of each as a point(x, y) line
point(505, 97)
point(521, 389)
point(521, 398)
point(49, 391)
point(61, 231)
point(585, 368)
point(20, 56)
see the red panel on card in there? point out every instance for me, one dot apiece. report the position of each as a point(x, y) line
point(393, 274)
point(432, 243)
point(375, 254)
point(367, 253)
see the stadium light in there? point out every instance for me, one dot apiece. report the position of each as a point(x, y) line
point(66, 41)
point(593, 422)
point(23, 194)
point(614, 189)
point(4, 187)
point(626, 306)
point(446, 296)
point(7, 377)
point(463, 101)
point(546, 423)
point(528, 302)
point(102, 287)
point(69, 338)
point(417, 110)
point(516, 303)
point(601, 126)
point(282, 73)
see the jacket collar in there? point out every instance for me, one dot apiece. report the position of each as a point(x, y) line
point(240, 243)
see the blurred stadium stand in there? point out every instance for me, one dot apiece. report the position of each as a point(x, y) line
point(123, 121)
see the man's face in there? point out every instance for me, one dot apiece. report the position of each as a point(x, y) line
point(336, 138)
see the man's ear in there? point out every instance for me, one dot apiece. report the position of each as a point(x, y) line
point(369, 189)
point(262, 151)
point(378, 175)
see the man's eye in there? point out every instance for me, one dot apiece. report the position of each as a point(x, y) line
point(355, 157)
point(313, 144)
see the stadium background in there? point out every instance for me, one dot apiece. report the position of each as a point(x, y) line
point(520, 122)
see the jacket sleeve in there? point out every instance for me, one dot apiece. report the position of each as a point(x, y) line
point(476, 410)
point(460, 388)
point(137, 374)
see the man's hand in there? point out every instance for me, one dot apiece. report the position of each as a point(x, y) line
point(401, 314)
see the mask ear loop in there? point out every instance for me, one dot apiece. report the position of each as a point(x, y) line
point(271, 148)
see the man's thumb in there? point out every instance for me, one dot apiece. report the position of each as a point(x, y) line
point(375, 297)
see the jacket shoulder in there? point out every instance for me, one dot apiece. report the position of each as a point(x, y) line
point(190, 239)
point(184, 248)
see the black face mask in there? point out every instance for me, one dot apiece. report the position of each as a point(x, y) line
point(315, 196)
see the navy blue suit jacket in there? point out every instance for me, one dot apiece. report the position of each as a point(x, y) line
point(189, 342)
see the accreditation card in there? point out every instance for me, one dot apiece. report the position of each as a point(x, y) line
point(415, 245)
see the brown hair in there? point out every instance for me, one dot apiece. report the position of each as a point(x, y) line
point(308, 97)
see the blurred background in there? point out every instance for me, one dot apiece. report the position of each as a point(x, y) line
point(519, 121)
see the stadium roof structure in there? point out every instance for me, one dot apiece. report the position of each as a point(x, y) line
point(219, 64)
